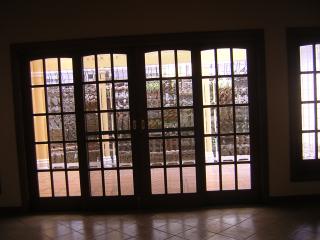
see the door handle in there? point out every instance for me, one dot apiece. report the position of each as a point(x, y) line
point(142, 124)
point(134, 124)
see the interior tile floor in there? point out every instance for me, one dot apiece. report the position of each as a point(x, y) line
point(273, 222)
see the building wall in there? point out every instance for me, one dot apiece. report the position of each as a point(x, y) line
point(30, 22)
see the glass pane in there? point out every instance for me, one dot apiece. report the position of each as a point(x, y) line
point(242, 119)
point(318, 115)
point(68, 98)
point(72, 155)
point(318, 145)
point(186, 133)
point(168, 64)
point(188, 151)
point(184, 63)
point(59, 184)
point(243, 147)
point(40, 128)
point(66, 70)
point(157, 181)
point(90, 97)
point(224, 62)
point(155, 134)
point(156, 152)
point(308, 118)
point(93, 136)
point(153, 94)
point(186, 118)
point(241, 90)
point(104, 67)
point(44, 182)
point(211, 149)
point(208, 63)
point(42, 155)
point(244, 176)
point(212, 178)
point(173, 180)
point(227, 148)
point(306, 58)
point(189, 179)
point(171, 133)
point(52, 73)
point(105, 95)
point(120, 66)
point(152, 64)
point(89, 68)
point(239, 61)
point(74, 183)
point(121, 95)
point(170, 118)
point(57, 156)
point(209, 91)
point(110, 136)
point(107, 123)
point(185, 92)
point(94, 154)
point(36, 70)
point(308, 146)
point(225, 91)
point(124, 135)
point(307, 87)
point(125, 153)
point(169, 93)
point(38, 100)
point(70, 130)
point(172, 151)
point(92, 123)
point(55, 128)
point(210, 120)
point(154, 119)
point(96, 183)
point(123, 121)
point(318, 57)
point(226, 120)
point(318, 86)
point(228, 179)
point(126, 182)
point(111, 182)
point(53, 99)
point(109, 154)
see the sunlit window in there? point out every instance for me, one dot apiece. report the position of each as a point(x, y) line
point(310, 96)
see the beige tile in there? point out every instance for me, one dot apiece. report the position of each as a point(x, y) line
point(196, 234)
point(58, 231)
point(174, 228)
point(220, 237)
point(238, 232)
point(114, 235)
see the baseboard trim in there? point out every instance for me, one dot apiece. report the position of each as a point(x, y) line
point(271, 200)
point(12, 210)
point(293, 199)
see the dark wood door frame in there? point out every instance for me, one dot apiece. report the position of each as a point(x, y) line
point(253, 40)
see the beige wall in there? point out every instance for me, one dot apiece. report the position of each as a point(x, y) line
point(28, 22)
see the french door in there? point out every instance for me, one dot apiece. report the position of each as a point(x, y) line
point(143, 125)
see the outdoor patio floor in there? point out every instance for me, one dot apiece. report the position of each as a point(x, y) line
point(158, 186)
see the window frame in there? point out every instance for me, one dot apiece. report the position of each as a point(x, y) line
point(301, 170)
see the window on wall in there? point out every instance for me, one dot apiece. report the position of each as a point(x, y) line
point(304, 84)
